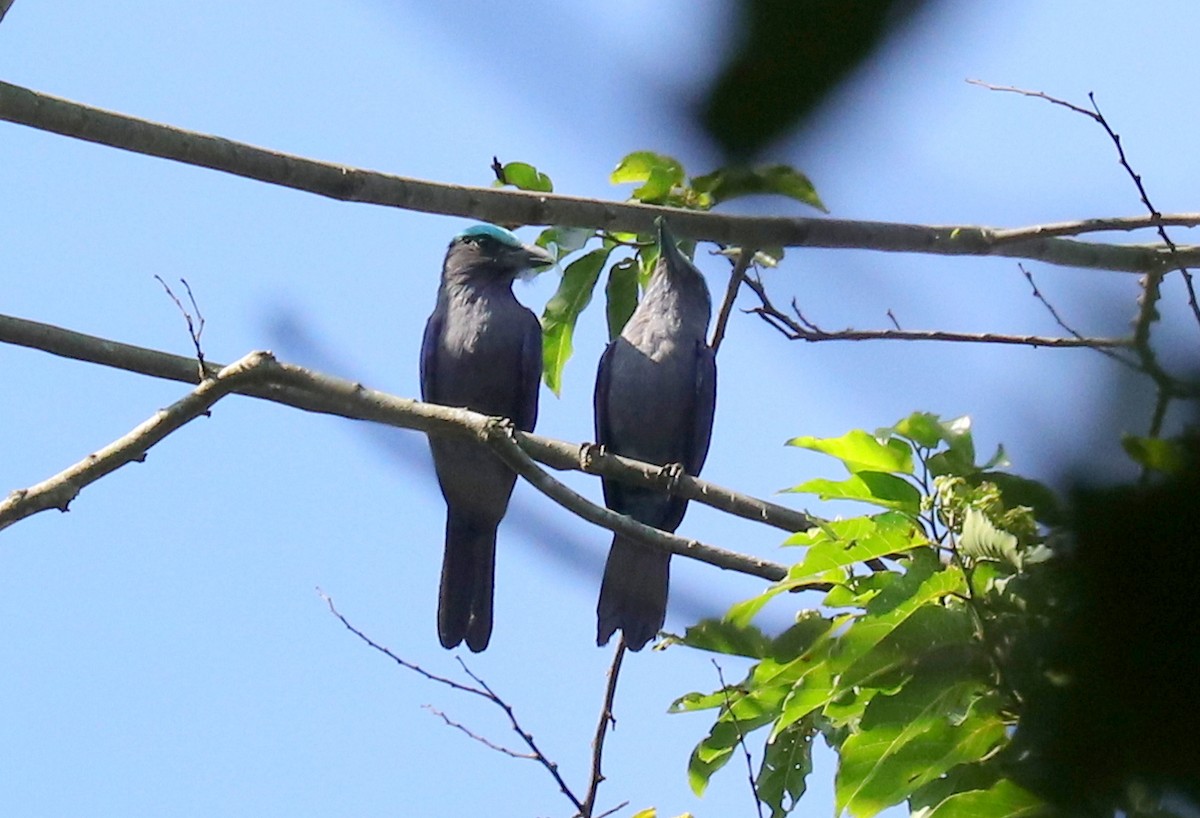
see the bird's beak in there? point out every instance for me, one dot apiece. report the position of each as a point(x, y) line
point(535, 256)
point(667, 246)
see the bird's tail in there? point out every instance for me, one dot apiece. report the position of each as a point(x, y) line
point(633, 595)
point(468, 573)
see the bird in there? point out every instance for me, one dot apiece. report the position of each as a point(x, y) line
point(656, 391)
point(482, 350)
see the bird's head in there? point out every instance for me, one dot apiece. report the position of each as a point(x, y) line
point(485, 251)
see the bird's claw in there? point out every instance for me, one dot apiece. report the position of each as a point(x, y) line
point(588, 454)
point(670, 475)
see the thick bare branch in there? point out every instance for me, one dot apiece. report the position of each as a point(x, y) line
point(357, 401)
point(59, 490)
point(502, 436)
point(26, 107)
point(336, 396)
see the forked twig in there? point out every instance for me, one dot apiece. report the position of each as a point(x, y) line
point(195, 325)
point(483, 691)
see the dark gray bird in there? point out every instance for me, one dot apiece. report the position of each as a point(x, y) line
point(655, 394)
point(482, 350)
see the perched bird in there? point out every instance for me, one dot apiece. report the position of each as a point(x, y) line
point(483, 351)
point(655, 394)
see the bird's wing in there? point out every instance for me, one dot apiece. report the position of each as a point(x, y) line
point(429, 344)
point(600, 398)
point(530, 375)
point(612, 489)
point(705, 402)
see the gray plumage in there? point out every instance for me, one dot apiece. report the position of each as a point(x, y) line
point(482, 350)
point(655, 394)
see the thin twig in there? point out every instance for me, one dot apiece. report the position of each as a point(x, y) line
point(486, 742)
point(606, 718)
point(1151, 282)
point(802, 329)
point(1079, 227)
point(1063, 324)
point(741, 739)
point(483, 691)
point(736, 276)
point(1038, 94)
point(195, 328)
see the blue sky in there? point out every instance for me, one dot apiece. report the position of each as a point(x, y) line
point(164, 651)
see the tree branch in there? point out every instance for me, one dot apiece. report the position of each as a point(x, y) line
point(59, 490)
point(736, 277)
point(357, 401)
point(483, 691)
point(334, 396)
point(5, 5)
point(1151, 282)
point(606, 718)
point(801, 329)
point(26, 107)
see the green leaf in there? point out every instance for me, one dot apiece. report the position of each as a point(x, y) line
point(621, 294)
point(1004, 799)
point(910, 738)
point(692, 702)
point(746, 713)
point(562, 311)
point(876, 488)
point(658, 186)
point(1000, 458)
point(563, 241)
point(787, 761)
point(1160, 454)
point(925, 581)
point(724, 184)
point(841, 543)
point(959, 456)
point(811, 691)
point(702, 765)
point(810, 627)
point(642, 166)
point(860, 451)
point(524, 176)
point(725, 636)
point(922, 428)
point(935, 638)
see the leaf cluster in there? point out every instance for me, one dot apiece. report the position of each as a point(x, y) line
point(902, 669)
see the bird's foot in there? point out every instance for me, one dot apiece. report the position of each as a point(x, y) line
point(588, 454)
point(670, 475)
